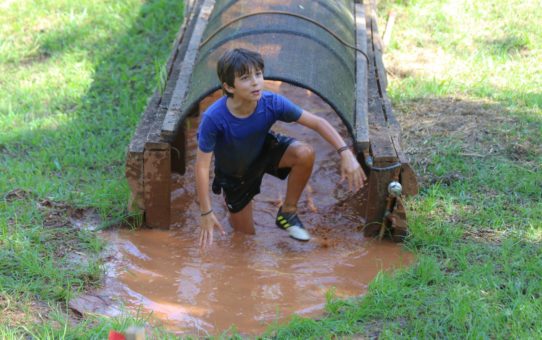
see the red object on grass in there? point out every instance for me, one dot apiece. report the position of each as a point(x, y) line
point(116, 336)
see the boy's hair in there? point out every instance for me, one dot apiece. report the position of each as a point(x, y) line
point(237, 62)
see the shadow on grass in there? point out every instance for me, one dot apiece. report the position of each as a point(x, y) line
point(81, 159)
point(77, 161)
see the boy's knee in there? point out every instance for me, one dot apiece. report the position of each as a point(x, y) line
point(304, 152)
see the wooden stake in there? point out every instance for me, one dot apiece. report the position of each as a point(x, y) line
point(387, 31)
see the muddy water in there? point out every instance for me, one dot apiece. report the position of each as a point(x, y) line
point(251, 281)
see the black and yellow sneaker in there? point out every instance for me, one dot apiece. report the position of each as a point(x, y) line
point(291, 223)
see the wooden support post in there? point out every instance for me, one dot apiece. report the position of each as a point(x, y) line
point(377, 196)
point(386, 166)
point(134, 157)
point(134, 176)
point(178, 150)
point(157, 187)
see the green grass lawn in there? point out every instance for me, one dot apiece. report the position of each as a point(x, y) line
point(465, 79)
point(74, 77)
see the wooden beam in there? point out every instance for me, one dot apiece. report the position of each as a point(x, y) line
point(134, 156)
point(157, 188)
point(382, 148)
point(377, 194)
point(134, 177)
point(174, 113)
point(154, 140)
point(361, 122)
point(178, 150)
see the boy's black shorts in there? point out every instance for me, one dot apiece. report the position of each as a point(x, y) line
point(238, 192)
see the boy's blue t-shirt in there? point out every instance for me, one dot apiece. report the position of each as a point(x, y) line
point(237, 142)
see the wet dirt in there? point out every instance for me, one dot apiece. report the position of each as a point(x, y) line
point(250, 280)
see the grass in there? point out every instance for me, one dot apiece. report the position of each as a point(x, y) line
point(75, 77)
point(465, 84)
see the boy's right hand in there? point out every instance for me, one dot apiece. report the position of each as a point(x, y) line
point(207, 224)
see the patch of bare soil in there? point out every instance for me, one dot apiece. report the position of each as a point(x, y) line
point(482, 235)
point(17, 194)
point(61, 226)
point(476, 128)
point(63, 223)
point(61, 215)
point(19, 311)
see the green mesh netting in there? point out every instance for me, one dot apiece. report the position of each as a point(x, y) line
point(295, 50)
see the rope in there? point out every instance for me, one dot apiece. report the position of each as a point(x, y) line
point(218, 30)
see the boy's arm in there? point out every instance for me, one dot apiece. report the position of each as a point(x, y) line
point(350, 167)
point(208, 219)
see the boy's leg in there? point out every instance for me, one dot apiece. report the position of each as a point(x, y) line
point(300, 158)
point(242, 220)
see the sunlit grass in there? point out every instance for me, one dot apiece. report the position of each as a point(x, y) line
point(482, 50)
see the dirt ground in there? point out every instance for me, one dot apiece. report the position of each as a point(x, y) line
point(476, 128)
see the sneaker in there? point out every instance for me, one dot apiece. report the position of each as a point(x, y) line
point(291, 223)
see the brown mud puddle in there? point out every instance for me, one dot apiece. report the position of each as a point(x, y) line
point(251, 281)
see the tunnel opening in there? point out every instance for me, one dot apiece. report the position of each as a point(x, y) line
point(323, 185)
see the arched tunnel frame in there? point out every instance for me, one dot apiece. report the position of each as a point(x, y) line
point(357, 92)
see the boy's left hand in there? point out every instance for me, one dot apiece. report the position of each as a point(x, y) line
point(351, 170)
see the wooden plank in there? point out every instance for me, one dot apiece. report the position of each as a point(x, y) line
point(381, 77)
point(157, 188)
point(137, 144)
point(134, 176)
point(408, 177)
point(169, 89)
point(382, 148)
point(381, 145)
point(181, 48)
point(409, 180)
point(154, 139)
point(380, 135)
point(393, 124)
point(173, 116)
point(178, 150)
point(377, 193)
point(361, 121)
point(134, 157)
point(181, 34)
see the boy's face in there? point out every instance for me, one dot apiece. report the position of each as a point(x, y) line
point(247, 86)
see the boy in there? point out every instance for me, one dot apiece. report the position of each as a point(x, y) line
point(236, 128)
